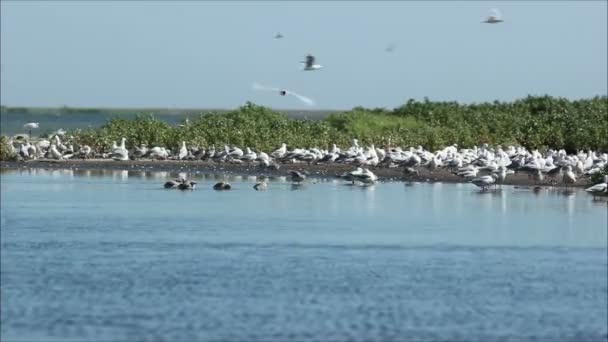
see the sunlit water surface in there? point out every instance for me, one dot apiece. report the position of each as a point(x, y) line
point(110, 255)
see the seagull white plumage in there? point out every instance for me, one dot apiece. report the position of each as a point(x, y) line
point(183, 151)
point(284, 92)
point(600, 189)
point(30, 126)
point(494, 18)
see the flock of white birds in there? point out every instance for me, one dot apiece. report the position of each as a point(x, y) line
point(483, 166)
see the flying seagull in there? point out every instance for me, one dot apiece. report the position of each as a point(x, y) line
point(284, 92)
point(278, 36)
point(494, 17)
point(30, 126)
point(309, 63)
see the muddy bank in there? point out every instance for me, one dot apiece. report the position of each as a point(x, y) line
point(313, 170)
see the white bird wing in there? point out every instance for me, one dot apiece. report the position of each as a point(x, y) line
point(258, 86)
point(302, 98)
point(495, 13)
point(597, 188)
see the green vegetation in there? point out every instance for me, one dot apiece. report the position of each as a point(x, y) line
point(21, 110)
point(599, 177)
point(6, 152)
point(250, 125)
point(533, 122)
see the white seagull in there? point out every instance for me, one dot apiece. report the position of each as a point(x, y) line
point(120, 152)
point(484, 182)
point(284, 92)
point(494, 18)
point(30, 126)
point(280, 152)
point(600, 189)
point(183, 151)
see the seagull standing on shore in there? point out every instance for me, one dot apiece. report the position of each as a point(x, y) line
point(120, 152)
point(600, 189)
point(569, 176)
point(183, 151)
point(280, 152)
point(484, 182)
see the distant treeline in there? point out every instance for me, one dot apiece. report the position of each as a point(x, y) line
point(533, 122)
point(62, 110)
point(5, 109)
point(68, 110)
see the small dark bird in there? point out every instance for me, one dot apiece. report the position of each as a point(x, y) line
point(297, 176)
point(185, 185)
point(261, 186)
point(173, 183)
point(222, 186)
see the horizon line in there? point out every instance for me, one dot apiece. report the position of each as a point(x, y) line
point(292, 109)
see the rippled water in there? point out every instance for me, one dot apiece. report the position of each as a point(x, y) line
point(110, 255)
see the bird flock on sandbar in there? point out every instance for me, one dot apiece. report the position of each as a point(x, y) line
point(483, 166)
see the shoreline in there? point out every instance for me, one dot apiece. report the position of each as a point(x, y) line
point(313, 170)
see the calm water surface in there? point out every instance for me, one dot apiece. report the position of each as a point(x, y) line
point(110, 255)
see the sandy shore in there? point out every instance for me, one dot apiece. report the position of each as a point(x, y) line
point(313, 170)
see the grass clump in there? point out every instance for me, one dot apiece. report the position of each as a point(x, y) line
point(534, 122)
point(6, 151)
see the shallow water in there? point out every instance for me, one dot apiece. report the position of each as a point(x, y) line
point(110, 255)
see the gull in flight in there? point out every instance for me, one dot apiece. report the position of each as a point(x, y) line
point(30, 126)
point(309, 63)
point(494, 18)
point(284, 92)
point(278, 36)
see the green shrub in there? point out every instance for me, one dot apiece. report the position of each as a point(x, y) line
point(533, 122)
point(6, 152)
point(599, 177)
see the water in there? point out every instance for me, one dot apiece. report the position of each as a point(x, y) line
point(51, 120)
point(110, 255)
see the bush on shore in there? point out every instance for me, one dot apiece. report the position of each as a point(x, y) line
point(533, 122)
point(6, 152)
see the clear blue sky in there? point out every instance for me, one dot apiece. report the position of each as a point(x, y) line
point(207, 54)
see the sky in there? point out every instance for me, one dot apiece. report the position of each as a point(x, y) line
point(205, 54)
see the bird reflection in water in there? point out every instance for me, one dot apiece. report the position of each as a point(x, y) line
point(297, 186)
